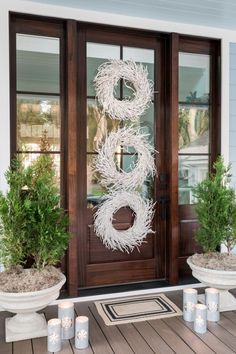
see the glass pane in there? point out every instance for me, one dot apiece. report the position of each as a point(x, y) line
point(192, 169)
point(139, 55)
point(98, 125)
point(37, 64)
point(37, 115)
point(28, 158)
point(194, 77)
point(147, 124)
point(96, 55)
point(193, 129)
point(94, 190)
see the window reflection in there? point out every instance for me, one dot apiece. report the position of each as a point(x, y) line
point(37, 61)
point(194, 77)
point(38, 98)
point(193, 129)
point(194, 104)
point(35, 114)
point(192, 169)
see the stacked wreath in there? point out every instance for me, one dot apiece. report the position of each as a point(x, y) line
point(106, 166)
point(122, 184)
point(106, 81)
point(125, 240)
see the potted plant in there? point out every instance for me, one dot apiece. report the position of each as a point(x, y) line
point(33, 235)
point(216, 211)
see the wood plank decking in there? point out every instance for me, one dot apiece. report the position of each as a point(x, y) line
point(171, 335)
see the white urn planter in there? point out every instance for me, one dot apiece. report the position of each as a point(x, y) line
point(222, 280)
point(27, 323)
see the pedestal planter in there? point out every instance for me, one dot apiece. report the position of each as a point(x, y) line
point(220, 279)
point(27, 323)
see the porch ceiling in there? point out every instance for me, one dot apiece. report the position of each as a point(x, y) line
point(213, 13)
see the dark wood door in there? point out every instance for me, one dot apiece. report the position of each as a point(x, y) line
point(99, 265)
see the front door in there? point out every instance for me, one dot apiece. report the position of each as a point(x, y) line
point(99, 265)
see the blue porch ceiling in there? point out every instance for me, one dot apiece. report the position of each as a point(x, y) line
point(213, 13)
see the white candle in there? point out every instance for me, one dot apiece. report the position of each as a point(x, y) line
point(81, 332)
point(189, 302)
point(212, 303)
point(54, 335)
point(200, 323)
point(66, 315)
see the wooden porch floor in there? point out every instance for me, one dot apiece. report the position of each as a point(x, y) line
point(171, 335)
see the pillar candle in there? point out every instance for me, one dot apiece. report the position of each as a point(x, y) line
point(189, 302)
point(212, 304)
point(54, 335)
point(200, 323)
point(81, 332)
point(66, 315)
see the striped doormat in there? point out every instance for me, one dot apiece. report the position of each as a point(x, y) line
point(136, 309)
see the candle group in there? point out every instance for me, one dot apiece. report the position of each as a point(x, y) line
point(200, 313)
point(66, 327)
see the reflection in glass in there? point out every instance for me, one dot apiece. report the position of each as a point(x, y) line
point(96, 55)
point(192, 169)
point(193, 129)
point(98, 125)
point(35, 115)
point(37, 63)
point(194, 78)
point(140, 56)
point(94, 189)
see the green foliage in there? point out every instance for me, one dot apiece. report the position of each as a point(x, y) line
point(32, 224)
point(216, 209)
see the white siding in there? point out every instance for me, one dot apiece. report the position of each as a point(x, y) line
point(232, 112)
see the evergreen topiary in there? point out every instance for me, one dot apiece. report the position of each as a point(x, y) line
point(216, 209)
point(33, 226)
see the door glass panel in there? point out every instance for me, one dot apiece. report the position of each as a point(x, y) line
point(193, 129)
point(37, 64)
point(38, 115)
point(99, 125)
point(194, 108)
point(192, 169)
point(94, 189)
point(140, 56)
point(194, 77)
point(96, 55)
point(35, 116)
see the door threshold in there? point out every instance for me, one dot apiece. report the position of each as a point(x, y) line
point(93, 294)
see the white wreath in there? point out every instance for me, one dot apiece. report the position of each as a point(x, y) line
point(106, 81)
point(125, 240)
point(116, 178)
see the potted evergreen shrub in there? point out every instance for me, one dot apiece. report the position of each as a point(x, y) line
point(33, 235)
point(216, 211)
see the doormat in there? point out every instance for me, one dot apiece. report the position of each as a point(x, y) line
point(136, 309)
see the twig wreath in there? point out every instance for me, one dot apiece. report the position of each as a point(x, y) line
point(106, 81)
point(116, 178)
point(125, 240)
